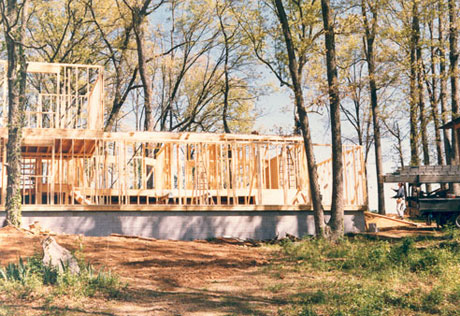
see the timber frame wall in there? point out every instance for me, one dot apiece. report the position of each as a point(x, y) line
point(68, 162)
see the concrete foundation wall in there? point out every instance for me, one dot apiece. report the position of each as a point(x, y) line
point(179, 225)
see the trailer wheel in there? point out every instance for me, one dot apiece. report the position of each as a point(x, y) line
point(456, 220)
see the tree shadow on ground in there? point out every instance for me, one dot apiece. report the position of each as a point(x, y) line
point(204, 301)
point(51, 310)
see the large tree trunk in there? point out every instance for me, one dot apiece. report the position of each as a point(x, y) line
point(453, 57)
point(15, 25)
point(420, 92)
point(138, 17)
point(421, 96)
point(304, 124)
point(443, 85)
point(370, 58)
point(119, 69)
point(336, 222)
point(413, 98)
point(433, 99)
point(226, 88)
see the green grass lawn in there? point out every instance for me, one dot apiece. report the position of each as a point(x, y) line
point(359, 276)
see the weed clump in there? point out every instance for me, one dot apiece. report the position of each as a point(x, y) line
point(31, 278)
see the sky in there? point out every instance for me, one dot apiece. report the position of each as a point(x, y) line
point(278, 114)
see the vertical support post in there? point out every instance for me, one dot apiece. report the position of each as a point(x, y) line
point(284, 163)
point(259, 173)
point(346, 180)
point(72, 188)
point(234, 172)
point(53, 173)
point(60, 172)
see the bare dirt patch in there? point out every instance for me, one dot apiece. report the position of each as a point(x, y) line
point(172, 277)
point(164, 277)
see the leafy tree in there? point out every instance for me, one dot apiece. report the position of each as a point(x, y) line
point(296, 62)
point(14, 19)
point(370, 11)
point(337, 212)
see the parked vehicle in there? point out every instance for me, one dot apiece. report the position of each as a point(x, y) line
point(439, 204)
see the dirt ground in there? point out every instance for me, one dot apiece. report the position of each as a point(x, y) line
point(164, 277)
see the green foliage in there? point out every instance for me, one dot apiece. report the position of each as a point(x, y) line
point(432, 300)
point(366, 277)
point(28, 277)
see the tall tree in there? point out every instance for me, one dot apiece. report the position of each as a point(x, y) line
point(453, 73)
point(336, 222)
point(370, 29)
point(61, 32)
point(295, 70)
point(115, 34)
point(227, 39)
point(420, 86)
point(140, 10)
point(413, 97)
point(14, 18)
point(432, 94)
point(443, 81)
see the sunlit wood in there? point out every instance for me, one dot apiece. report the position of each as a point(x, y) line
point(70, 163)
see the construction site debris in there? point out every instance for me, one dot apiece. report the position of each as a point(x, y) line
point(382, 222)
point(37, 229)
point(133, 237)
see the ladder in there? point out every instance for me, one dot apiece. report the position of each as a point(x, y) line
point(201, 174)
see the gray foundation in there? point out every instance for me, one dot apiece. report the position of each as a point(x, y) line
point(179, 225)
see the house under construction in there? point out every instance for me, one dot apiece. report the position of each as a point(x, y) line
point(73, 171)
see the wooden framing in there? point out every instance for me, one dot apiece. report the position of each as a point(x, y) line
point(59, 96)
point(68, 162)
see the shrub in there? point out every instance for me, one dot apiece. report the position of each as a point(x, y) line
point(23, 278)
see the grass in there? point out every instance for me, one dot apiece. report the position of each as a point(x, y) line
point(358, 276)
point(31, 280)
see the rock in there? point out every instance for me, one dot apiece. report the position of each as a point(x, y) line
point(56, 256)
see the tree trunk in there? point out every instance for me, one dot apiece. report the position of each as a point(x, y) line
point(453, 57)
point(304, 124)
point(226, 89)
point(336, 222)
point(138, 16)
point(15, 25)
point(119, 69)
point(370, 58)
point(119, 100)
point(420, 89)
point(443, 85)
point(413, 98)
point(433, 99)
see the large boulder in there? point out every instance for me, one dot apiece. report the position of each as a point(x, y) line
point(57, 256)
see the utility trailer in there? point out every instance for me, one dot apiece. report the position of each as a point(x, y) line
point(439, 204)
